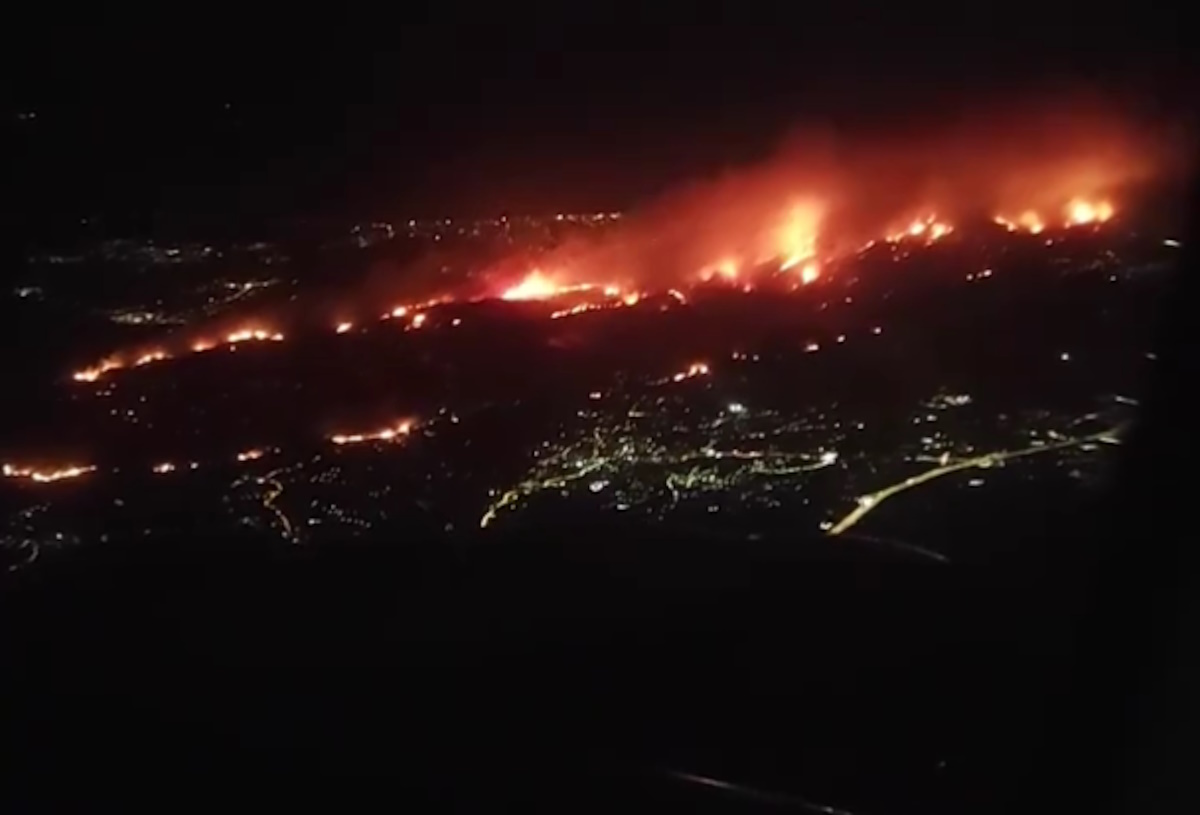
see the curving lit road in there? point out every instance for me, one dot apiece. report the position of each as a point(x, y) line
point(867, 503)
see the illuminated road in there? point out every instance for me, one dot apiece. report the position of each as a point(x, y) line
point(268, 502)
point(867, 503)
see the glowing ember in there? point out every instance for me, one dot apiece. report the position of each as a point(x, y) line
point(200, 346)
point(418, 320)
point(386, 434)
point(809, 273)
point(251, 454)
point(163, 468)
point(342, 328)
point(46, 476)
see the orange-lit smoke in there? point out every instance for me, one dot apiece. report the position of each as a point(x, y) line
point(821, 196)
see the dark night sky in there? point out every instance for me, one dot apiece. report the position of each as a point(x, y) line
point(233, 123)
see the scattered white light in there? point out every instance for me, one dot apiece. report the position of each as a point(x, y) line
point(736, 407)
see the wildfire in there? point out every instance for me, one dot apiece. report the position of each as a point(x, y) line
point(152, 356)
point(796, 238)
point(97, 371)
point(746, 231)
point(929, 228)
point(46, 476)
point(256, 334)
point(1031, 222)
point(535, 286)
point(693, 370)
point(1080, 212)
point(727, 269)
point(392, 433)
point(1077, 212)
point(200, 346)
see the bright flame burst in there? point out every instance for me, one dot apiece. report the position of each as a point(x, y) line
point(535, 286)
point(1081, 212)
point(929, 228)
point(392, 433)
point(796, 237)
point(1077, 212)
